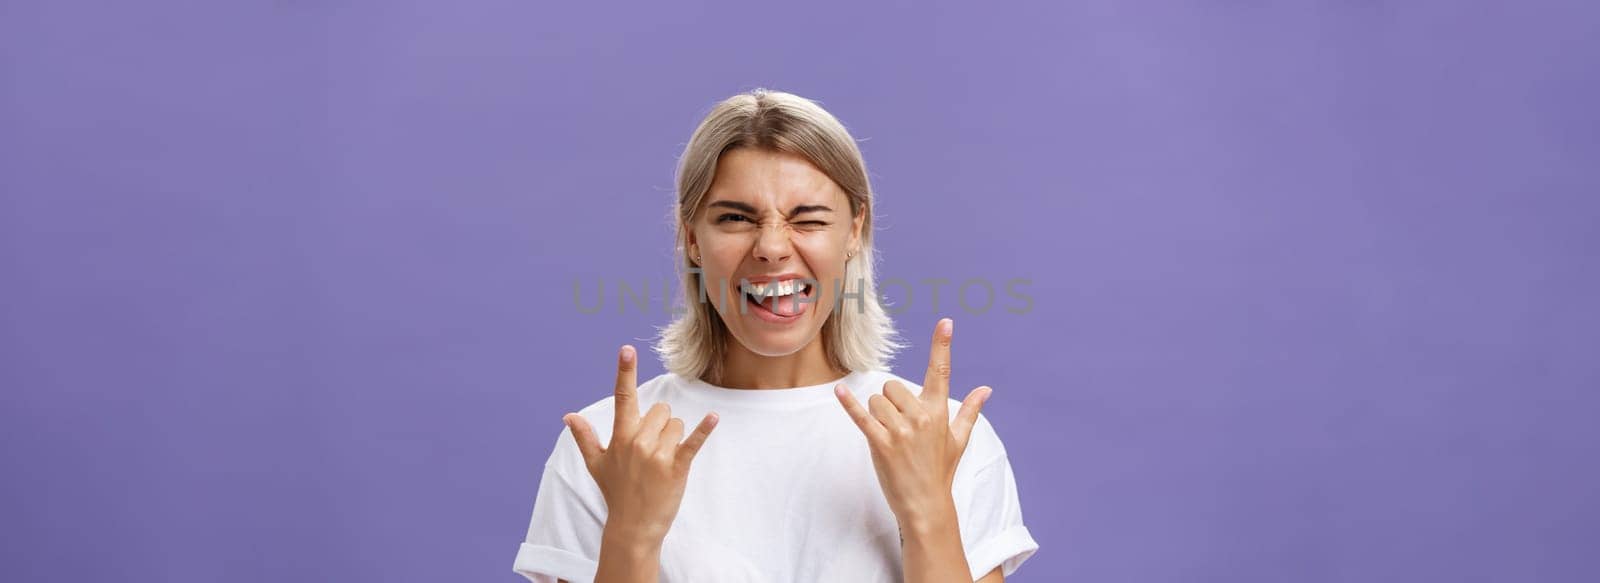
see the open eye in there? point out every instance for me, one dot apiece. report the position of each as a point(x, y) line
point(732, 217)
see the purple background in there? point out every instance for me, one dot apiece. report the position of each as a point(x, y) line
point(288, 286)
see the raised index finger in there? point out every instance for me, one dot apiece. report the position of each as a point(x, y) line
point(625, 416)
point(936, 383)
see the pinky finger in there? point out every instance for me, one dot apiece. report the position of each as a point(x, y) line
point(588, 444)
point(967, 417)
point(691, 446)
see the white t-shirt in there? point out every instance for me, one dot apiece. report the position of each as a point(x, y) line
point(783, 491)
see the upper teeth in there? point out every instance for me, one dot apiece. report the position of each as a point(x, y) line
point(778, 289)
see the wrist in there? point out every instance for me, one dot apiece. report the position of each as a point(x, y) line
point(626, 554)
point(630, 542)
point(929, 519)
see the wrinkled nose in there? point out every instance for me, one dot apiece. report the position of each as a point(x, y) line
point(773, 245)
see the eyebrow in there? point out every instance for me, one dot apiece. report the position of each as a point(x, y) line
point(801, 209)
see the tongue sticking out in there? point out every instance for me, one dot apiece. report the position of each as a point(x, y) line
point(788, 305)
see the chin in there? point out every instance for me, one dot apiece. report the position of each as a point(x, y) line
point(775, 343)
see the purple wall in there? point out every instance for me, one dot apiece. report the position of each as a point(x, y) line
point(288, 286)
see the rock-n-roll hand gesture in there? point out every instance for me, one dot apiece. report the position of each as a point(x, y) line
point(642, 473)
point(915, 446)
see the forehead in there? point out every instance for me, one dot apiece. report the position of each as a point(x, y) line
point(766, 178)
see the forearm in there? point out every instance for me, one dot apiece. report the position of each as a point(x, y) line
point(930, 548)
point(628, 557)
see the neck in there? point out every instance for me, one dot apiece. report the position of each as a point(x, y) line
point(743, 369)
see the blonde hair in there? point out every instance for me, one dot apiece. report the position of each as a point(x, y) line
point(693, 346)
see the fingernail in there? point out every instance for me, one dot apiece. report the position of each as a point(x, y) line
point(627, 353)
point(947, 326)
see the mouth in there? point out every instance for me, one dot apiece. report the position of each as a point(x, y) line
point(778, 302)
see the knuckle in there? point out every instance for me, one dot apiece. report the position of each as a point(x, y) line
point(942, 369)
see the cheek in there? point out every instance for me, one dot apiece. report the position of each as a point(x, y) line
point(722, 256)
point(825, 262)
point(822, 243)
point(724, 250)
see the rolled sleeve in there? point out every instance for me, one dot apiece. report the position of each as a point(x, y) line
point(563, 540)
point(989, 510)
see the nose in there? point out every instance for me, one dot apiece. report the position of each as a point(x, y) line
point(773, 245)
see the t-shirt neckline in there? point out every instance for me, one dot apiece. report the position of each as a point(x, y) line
point(767, 397)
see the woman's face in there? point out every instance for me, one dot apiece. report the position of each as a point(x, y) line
point(773, 217)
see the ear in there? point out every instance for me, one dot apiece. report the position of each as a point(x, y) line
point(855, 231)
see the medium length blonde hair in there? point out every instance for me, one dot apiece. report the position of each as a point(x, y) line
point(854, 338)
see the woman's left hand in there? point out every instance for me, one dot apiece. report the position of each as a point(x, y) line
point(915, 446)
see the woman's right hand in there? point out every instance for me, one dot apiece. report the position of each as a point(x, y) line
point(643, 471)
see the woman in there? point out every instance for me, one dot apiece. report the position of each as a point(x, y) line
point(811, 462)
